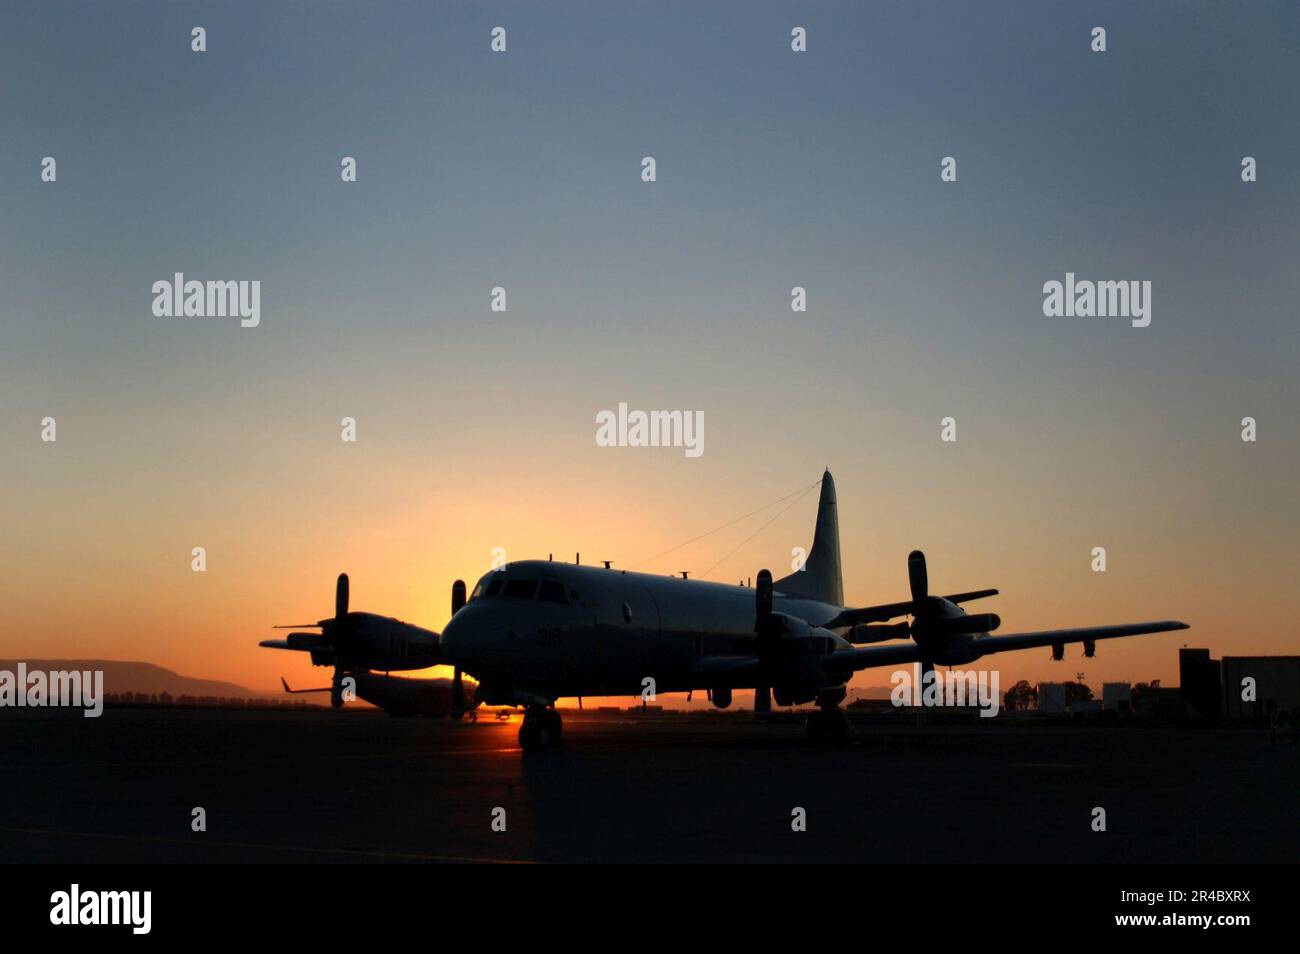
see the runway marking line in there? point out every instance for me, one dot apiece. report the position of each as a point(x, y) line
point(193, 843)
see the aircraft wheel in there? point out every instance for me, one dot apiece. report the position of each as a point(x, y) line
point(839, 731)
point(814, 726)
point(548, 734)
point(828, 727)
point(540, 729)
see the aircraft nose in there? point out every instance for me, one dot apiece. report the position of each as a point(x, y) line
point(449, 638)
point(455, 645)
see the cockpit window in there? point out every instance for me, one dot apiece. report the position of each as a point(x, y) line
point(521, 589)
point(551, 592)
point(494, 587)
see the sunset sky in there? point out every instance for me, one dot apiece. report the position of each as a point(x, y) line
point(476, 429)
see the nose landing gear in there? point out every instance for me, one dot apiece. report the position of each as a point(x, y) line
point(540, 729)
point(828, 725)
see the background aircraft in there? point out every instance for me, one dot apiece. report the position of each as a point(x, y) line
point(406, 697)
point(356, 643)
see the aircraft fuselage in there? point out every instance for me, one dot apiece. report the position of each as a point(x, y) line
point(546, 629)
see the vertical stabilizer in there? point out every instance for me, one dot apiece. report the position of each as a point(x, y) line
point(820, 579)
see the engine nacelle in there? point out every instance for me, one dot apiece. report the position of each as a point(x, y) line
point(975, 623)
point(878, 633)
point(1058, 651)
point(1089, 648)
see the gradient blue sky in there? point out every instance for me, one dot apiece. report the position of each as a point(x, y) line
point(775, 169)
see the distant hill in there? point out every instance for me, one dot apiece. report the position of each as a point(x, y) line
point(140, 677)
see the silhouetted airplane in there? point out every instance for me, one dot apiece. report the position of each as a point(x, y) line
point(535, 631)
point(356, 643)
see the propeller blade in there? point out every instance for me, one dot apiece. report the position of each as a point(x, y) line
point(763, 596)
point(457, 596)
point(767, 628)
point(457, 688)
point(336, 684)
point(341, 597)
point(917, 577)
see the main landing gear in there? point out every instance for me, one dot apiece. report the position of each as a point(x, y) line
point(540, 729)
point(828, 725)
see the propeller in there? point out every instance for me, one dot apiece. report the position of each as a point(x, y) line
point(930, 621)
point(767, 633)
point(337, 638)
point(767, 628)
point(918, 581)
point(341, 597)
point(457, 682)
point(917, 577)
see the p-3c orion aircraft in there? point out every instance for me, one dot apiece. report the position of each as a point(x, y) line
point(535, 631)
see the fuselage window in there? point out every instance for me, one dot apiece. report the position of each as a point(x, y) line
point(551, 592)
point(521, 589)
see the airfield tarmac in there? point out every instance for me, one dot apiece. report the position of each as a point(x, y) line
point(321, 786)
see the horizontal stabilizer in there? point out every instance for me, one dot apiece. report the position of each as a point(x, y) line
point(299, 691)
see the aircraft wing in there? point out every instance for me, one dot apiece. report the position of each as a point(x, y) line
point(851, 660)
point(726, 665)
point(1051, 637)
point(888, 611)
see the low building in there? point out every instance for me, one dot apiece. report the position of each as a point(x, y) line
point(1051, 697)
point(1260, 687)
point(1199, 682)
point(1117, 696)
